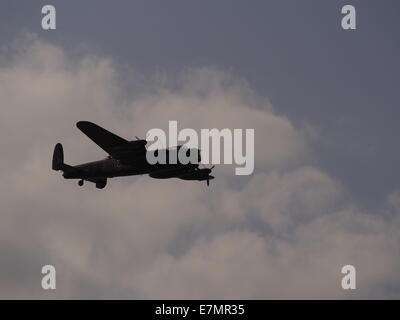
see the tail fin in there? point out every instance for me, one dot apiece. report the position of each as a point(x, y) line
point(58, 157)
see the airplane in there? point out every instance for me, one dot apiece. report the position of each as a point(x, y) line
point(125, 158)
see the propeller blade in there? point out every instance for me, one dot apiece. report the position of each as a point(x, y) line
point(208, 182)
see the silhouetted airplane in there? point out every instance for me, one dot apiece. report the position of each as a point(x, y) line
point(125, 158)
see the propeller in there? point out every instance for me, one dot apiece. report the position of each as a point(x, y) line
point(209, 177)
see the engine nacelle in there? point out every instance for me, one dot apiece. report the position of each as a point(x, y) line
point(171, 156)
point(169, 173)
point(200, 175)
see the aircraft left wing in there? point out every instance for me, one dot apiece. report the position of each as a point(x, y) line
point(114, 145)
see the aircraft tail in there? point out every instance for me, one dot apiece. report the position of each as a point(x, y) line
point(58, 157)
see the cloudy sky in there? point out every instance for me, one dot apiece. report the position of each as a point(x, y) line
point(324, 105)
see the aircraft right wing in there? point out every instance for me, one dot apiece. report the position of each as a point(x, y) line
point(114, 145)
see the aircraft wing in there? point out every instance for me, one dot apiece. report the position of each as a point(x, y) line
point(114, 145)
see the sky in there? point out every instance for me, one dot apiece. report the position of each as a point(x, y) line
point(323, 102)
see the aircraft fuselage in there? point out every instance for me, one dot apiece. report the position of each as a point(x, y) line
point(110, 168)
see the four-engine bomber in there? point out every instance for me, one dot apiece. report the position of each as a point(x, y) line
point(126, 158)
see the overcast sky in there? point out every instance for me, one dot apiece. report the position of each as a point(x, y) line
point(325, 191)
